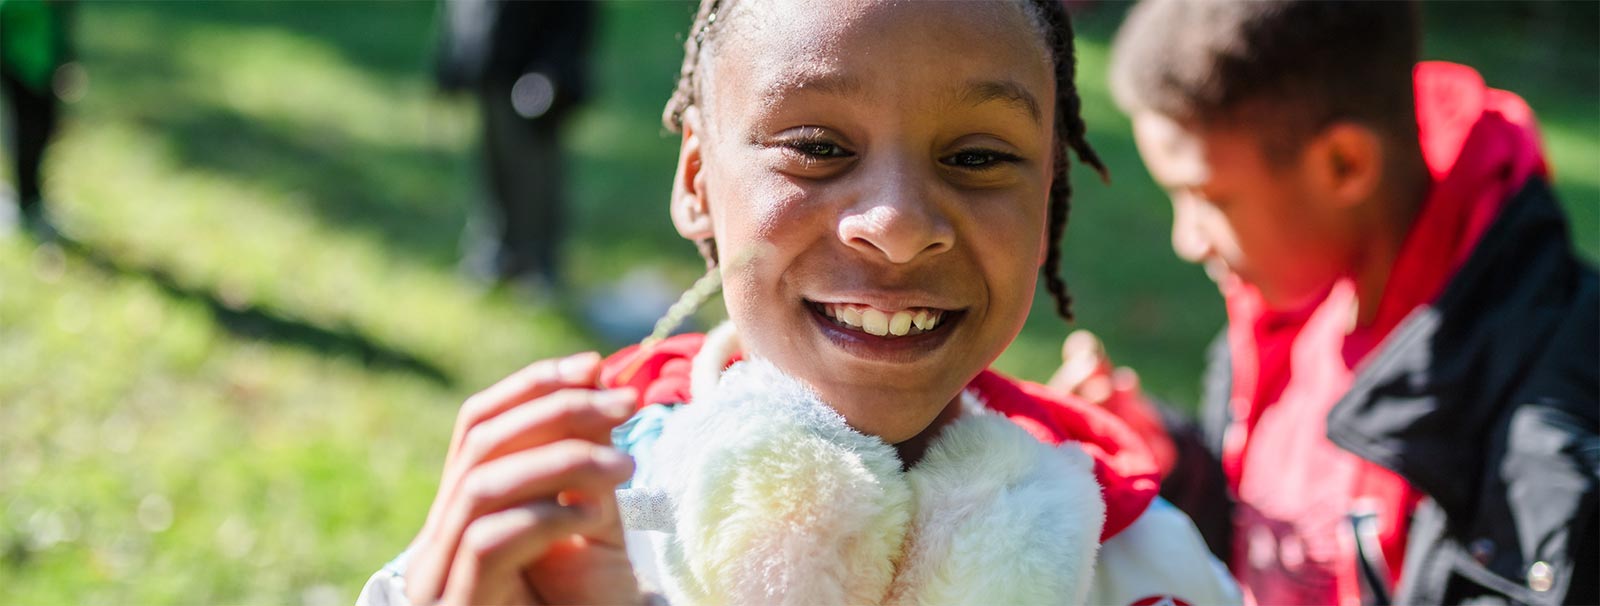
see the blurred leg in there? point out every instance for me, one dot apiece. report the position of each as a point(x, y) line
point(525, 169)
point(33, 118)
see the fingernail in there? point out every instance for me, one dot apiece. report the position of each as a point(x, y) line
point(575, 368)
point(617, 403)
point(1080, 342)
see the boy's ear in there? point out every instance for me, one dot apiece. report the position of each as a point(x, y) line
point(1347, 162)
point(691, 211)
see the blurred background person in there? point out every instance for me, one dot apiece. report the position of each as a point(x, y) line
point(1403, 405)
point(33, 47)
point(527, 63)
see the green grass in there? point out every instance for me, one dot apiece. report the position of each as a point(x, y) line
point(236, 386)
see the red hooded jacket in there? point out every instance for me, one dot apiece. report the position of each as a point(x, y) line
point(1290, 367)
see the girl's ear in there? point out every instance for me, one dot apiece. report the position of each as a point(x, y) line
point(691, 211)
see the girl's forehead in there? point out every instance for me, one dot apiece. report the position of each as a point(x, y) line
point(813, 26)
point(768, 49)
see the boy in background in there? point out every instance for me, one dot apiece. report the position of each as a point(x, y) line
point(1403, 407)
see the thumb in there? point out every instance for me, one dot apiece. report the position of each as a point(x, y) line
point(1083, 364)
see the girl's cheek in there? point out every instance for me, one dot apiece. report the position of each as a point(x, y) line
point(1012, 218)
point(780, 208)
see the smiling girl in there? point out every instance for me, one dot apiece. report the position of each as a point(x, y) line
point(883, 181)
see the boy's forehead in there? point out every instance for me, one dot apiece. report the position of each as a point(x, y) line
point(1174, 153)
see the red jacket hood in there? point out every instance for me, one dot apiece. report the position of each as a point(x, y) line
point(1481, 146)
point(1127, 473)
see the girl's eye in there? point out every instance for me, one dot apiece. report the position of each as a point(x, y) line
point(818, 149)
point(979, 159)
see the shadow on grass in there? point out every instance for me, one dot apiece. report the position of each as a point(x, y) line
point(404, 195)
point(391, 38)
point(251, 321)
point(411, 197)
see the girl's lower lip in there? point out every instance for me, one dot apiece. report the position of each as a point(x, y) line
point(894, 350)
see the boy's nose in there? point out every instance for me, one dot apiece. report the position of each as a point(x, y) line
point(901, 225)
point(1188, 239)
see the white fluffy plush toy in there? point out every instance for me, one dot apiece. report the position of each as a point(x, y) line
point(764, 495)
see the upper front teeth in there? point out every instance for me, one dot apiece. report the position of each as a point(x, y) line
point(874, 322)
point(877, 322)
point(900, 323)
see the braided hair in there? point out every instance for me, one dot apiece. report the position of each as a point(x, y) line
point(1049, 17)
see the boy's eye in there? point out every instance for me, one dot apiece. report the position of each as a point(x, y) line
point(979, 159)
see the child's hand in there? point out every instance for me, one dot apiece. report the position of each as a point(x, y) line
point(526, 510)
point(1086, 372)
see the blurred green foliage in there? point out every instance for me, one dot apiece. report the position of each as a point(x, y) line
point(236, 384)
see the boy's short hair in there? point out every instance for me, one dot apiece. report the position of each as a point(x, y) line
point(1282, 68)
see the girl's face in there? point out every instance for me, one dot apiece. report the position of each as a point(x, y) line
point(876, 175)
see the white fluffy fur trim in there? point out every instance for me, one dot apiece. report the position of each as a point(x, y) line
point(705, 370)
point(1001, 519)
point(778, 501)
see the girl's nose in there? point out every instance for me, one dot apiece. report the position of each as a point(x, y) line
point(899, 224)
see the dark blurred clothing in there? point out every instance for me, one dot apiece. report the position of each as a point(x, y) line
point(34, 44)
point(33, 116)
point(527, 63)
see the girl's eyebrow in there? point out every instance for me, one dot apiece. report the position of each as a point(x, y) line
point(814, 82)
point(979, 92)
point(976, 92)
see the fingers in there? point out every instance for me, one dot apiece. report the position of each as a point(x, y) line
point(1085, 369)
point(534, 475)
point(569, 413)
point(609, 531)
point(1081, 342)
point(1124, 380)
point(495, 547)
point(533, 381)
point(590, 574)
point(537, 445)
point(1124, 396)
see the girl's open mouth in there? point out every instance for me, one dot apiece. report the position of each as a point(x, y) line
point(887, 335)
point(880, 323)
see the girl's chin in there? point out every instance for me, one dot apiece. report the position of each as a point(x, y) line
point(892, 414)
